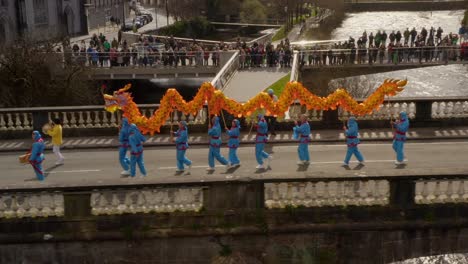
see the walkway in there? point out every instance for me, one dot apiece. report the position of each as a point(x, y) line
point(246, 83)
point(100, 167)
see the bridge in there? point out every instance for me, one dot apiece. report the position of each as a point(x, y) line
point(321, 212)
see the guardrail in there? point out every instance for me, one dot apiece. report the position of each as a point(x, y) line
point(265, 193)
point(374, 56)
point(228, 70)
point(422, 112)
point(295, 67)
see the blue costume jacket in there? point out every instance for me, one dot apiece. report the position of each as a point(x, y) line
point(37, 155)
point(181, 146)
point(352, 139)
point(136, 140)
point(123, 144)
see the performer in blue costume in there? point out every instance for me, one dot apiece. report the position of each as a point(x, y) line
point(123, 147)
point(260, 140)
point(401, 127)
point(136, 140)
point(37, 154)
point(302, 132)
point(215, 144)
point(233, 142)
point(352, 141)
point(182, 146)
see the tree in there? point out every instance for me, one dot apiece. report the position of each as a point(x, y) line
point(252, 11)
point(27, 77)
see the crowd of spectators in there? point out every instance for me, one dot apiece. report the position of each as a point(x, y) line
point(410, 47)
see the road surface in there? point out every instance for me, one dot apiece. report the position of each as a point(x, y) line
point(101, 167)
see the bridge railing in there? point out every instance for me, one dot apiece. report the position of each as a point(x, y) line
point(423, 112)
point(79, 118)
point(375, 56)
point(140, 58)
point(225, 74)
point(404, 192)
point(295, 67)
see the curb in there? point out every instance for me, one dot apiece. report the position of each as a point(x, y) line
point(248, 142)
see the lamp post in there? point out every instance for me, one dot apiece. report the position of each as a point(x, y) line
point(287, 17)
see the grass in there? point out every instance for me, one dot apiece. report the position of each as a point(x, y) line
point(279, 85)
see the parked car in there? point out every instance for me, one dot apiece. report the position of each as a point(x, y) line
point(127, 26)
point(148, 17)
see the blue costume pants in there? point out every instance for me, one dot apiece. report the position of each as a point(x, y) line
point(356, 152)
point(398, 147)
point(134, 160)
point(303, 151)
point(233, 159)
point(215, 153)
point(181, 160)
point(124, 162)
point(37, 166)
point(260, 154)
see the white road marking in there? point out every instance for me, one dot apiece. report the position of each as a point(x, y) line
point(312, 163)
point(73, 171)
point(389, 144)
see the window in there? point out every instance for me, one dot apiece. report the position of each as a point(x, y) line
point(40, 12)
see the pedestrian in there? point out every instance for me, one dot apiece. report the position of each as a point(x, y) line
point(56, 133)
point(260, 140)
point(181, 142)
point(215, 144)
point(233, 142)
point(271, 119)
point(352, 141)
point(124, 134)
point(302, 133)
point(37, 154)
point(400, 128)
point(135, 140)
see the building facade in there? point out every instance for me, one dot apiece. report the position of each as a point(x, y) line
point(103, 12)
point(41, 18)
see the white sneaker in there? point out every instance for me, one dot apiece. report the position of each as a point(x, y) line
point(59, 162)
point(125, 173)
point(270, 157)
point(361, 163)
point(345, 164)
point(306, 162)
point(259, 167)
point(210, 169)
point(189, 167)
point(300, 162)
point(399, 163)
point(179, 170)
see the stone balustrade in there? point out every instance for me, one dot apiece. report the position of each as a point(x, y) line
point(272, 194)
point(25, 119)
point(109, 202)
point(441, 191)
point(326, 193)
point(40, 204)
point(387, 111)
point(450, 109)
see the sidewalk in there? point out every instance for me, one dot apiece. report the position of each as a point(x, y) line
point(319, 136)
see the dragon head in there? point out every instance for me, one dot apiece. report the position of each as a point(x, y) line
point(118, 100)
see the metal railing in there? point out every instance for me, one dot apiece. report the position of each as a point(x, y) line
point(376, 56)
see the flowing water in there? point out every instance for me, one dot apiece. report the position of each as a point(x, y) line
point(451, 80)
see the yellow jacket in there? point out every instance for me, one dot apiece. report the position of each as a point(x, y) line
point(56, 134)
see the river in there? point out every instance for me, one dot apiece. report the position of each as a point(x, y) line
point(451, 80)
